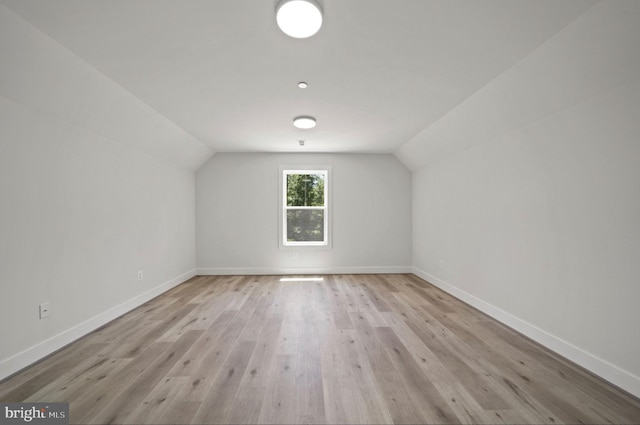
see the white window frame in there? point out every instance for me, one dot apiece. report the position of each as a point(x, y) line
point(282, 228)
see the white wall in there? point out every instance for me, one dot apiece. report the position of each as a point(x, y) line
point(237, 215)
point(530, 194)
point(82, 210)
point(37, 71)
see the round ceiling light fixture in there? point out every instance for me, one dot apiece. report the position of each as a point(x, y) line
point(299, 18)
point(304, 122)
point(303, 85)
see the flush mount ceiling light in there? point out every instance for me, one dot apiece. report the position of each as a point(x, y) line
point(303, 85)
point(299, 18)
point(304, 122)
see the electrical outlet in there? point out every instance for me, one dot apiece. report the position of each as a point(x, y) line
point(441, 264)
point(45, 310)
point(140, 275)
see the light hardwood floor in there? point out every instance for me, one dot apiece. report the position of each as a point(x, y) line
point(348, 349)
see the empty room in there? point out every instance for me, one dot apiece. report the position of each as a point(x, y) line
point(319, 211)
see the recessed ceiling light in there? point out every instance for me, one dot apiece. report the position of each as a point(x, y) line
point(303, 85)
point(299, 18)
point(304, 122)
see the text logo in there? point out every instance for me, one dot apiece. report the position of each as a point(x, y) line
point(34, 413)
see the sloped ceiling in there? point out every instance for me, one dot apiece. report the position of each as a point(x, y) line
point(223, 74)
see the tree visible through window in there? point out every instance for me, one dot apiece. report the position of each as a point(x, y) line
point(305, 207)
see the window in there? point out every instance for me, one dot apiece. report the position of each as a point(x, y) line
point(305, 216)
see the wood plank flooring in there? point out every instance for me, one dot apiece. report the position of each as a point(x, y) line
point(347, 349)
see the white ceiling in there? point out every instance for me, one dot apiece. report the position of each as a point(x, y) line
point(379, 71)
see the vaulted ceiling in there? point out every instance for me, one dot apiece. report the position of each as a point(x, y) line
point(379, 71)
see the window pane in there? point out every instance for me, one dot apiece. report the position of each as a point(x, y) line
point(305, 225)
point(305, 190)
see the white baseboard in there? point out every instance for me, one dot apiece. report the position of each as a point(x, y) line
point(303, 270)
point(31, 355)
point(610, 372)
